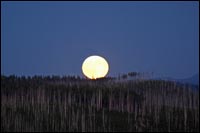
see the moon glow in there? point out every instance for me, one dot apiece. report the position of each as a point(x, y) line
point(95, 67)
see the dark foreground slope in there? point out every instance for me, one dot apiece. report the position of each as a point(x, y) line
point(74, 104)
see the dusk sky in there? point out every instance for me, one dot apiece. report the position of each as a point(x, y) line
point(54, 38)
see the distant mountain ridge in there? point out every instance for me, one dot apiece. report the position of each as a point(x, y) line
point(193, 80)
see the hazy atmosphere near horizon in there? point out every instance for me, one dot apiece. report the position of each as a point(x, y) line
point(54, 38)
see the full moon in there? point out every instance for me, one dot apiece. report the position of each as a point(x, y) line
point(95, 67)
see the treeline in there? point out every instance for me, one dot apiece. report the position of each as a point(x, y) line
point(75, 104)
point(49, 78)
point(43, 78)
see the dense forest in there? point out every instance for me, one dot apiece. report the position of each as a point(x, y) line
point(53, 103)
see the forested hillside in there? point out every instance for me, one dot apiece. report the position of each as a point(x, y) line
point(74, 104)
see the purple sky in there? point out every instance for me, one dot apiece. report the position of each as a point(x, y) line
point(46, 38)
